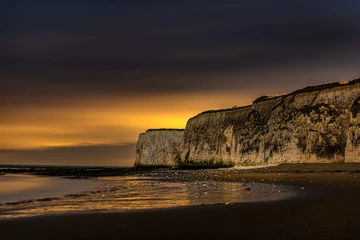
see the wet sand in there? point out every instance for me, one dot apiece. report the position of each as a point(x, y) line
point(328, 209)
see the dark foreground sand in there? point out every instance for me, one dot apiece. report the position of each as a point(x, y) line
point(328, 209)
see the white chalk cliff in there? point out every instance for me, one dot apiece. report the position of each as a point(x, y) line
point(160, 147)
point(314, 124)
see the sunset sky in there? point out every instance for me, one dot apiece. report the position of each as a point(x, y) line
point(80, 80)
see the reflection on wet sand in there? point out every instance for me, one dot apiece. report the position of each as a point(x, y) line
point(135, 192)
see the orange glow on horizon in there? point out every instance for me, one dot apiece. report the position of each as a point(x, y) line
point(109, 121)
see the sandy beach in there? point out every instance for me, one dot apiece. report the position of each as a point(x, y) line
point(328, 208)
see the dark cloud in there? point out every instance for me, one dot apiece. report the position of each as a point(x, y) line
point(133, 46)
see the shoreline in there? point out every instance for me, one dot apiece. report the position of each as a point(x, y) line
point(330, 209)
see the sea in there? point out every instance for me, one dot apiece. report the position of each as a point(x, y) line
point(27, 191)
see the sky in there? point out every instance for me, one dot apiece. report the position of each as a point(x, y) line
point(80, 80)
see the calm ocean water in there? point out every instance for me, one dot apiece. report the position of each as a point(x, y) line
point(29, 195)
point(17, 187)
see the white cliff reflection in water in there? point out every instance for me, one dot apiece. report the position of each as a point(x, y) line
point(135, 192)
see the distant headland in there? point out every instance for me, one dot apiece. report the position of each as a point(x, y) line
point(316, 124)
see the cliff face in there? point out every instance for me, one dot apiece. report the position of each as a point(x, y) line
point(159, 147)
point(315, 124)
